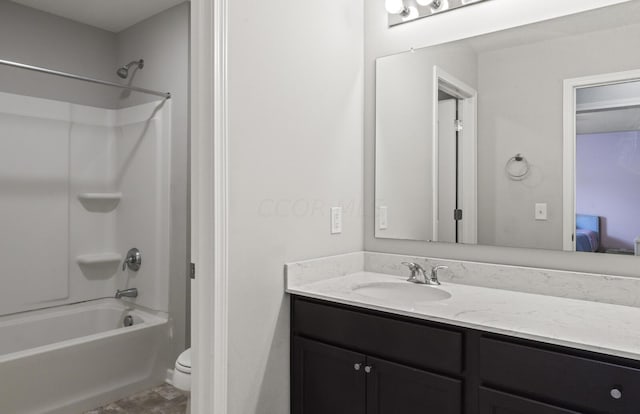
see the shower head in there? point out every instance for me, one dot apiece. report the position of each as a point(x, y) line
point(123, 71)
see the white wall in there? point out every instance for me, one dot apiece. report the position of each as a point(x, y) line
point(477, 19)
point(295, 84)
point(163, 42)
point(36, 38)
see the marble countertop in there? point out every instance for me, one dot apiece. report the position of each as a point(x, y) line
point(592, 326)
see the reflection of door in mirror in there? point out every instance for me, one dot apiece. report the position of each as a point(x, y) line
point(607, 167)
point(455, 174)
point(447, 169)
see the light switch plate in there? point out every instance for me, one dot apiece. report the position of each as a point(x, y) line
point(383, 218)
point(541, 211)
point(336, 220)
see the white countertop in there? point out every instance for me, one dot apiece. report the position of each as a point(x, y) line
point(592, 326)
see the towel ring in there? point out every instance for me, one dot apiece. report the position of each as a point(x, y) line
point(517, 173)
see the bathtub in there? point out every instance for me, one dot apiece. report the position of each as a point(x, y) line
point(69, 359)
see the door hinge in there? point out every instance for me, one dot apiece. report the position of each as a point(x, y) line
point(193, 270)
point(457, 214)
point(459, 125)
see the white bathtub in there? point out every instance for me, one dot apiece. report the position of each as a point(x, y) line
point(69, 359)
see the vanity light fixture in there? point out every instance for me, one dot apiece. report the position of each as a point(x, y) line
point(435, 4)
point(397, 7)
point(401, 11)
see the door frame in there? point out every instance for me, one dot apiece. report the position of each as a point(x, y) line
point(468, 98)
point(569, 144)
point(209, 205)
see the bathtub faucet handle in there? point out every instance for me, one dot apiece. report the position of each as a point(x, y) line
point(133, 260)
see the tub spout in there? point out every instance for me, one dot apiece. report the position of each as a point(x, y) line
point(127, 293)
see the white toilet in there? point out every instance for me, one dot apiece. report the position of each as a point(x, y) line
point(182, 374)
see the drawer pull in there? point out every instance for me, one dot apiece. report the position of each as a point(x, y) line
point(616, 393)
point(368, 369)
point(357, 366)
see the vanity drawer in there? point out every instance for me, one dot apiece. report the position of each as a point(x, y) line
point(555, 377)
point(409, 343)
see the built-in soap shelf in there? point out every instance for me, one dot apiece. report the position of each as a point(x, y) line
point(98, 258)
point(100, 202)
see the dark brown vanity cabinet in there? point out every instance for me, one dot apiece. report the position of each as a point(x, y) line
point(328, 379)
point(347, 360)
point(496, 402)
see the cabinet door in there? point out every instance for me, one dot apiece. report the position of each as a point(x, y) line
point(326, 379)
point(495, 402)
point(398, 389)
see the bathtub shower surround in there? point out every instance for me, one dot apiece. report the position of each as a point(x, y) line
point(79, 187)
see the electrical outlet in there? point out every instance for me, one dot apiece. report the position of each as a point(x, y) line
point(383, 218)
point(541, 211)
point(336, 220)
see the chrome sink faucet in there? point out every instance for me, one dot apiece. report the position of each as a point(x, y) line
point(419, 275)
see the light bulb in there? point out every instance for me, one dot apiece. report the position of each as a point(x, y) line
point(394, 6)
point(412, 14)
point(439, 6)
point(424, 2)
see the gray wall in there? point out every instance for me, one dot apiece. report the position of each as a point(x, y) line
point(41, 39)
point(477, 19)
point(520, 110)
point(163, 42)
point(295, 84)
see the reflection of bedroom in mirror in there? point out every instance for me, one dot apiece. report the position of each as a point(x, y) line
point(607, 165)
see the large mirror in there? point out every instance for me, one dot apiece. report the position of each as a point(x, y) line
point(529, 137)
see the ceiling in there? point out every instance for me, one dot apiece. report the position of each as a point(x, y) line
point(605, 18)
point(111, 15)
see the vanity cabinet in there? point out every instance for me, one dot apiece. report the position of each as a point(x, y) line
point(576, 381)
point(351, 362)
point(328, 379)
point(348, 360)
point(496, 402)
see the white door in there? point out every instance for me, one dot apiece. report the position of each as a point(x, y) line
point(447, 171)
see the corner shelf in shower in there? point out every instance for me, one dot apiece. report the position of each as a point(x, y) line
point(98, 258)
point(100, 202)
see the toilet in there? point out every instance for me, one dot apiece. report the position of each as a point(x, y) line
point(182, 374)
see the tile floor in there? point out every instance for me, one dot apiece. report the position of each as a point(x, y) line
point(164, 399)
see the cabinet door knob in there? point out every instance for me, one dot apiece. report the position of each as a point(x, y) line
point(615, 393)
point(368, 369)
point(357, 366)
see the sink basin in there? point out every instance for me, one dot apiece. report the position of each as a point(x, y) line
point(404, 292)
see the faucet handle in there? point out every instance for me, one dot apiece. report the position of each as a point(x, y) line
point(414, 270)
point(434, 274)
point(412, 266)
point(133, 260)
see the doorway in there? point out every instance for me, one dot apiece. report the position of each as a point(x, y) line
point(601, 154)
point(454, 160)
